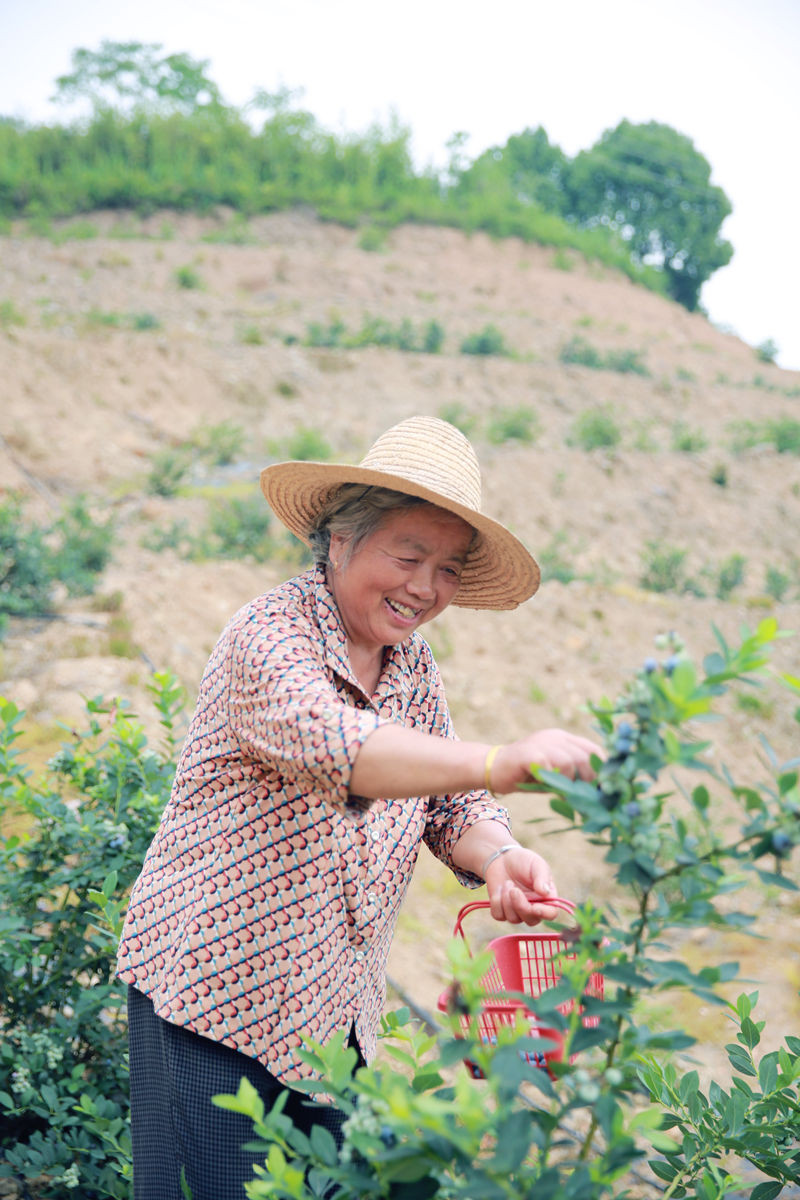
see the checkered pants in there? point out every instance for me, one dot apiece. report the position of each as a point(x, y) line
point(174, 1125)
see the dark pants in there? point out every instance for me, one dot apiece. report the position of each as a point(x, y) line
point(174, 1125)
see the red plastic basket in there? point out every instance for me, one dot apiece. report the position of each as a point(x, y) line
point(527, 963)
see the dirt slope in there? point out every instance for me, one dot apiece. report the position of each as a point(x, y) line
point(88, 400)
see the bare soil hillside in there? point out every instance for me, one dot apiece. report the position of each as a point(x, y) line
point(111, 359)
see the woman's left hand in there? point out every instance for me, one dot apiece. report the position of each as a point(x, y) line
point(511, 881)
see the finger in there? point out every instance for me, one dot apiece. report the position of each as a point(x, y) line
point(530, 910)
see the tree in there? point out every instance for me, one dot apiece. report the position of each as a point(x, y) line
point(135, 75)
point(650, 184)
point(528, 167)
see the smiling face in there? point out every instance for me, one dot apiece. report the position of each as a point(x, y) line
point(401, 575)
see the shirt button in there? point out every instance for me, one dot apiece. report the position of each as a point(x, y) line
point(359, 954)
point(375, 832)
point(372, 898)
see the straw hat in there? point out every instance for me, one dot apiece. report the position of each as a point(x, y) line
point(423, 457)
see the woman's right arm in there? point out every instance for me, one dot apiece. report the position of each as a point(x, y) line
point(395, 762)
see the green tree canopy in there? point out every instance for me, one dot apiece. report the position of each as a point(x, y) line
point(650, 184)
point(136, 74)
point(529, 166)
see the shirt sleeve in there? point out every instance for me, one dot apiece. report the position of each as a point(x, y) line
point(449, 817)
point(285, 711)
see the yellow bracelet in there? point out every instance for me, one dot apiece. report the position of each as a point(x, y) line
point(487, 770)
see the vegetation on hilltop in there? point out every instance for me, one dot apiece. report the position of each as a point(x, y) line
point(160, 135)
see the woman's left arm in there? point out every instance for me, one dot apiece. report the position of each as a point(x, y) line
point(512, 874)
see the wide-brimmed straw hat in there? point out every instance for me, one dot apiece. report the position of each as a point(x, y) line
point(423, 457)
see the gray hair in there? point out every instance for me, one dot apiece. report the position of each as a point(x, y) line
point(354, 512)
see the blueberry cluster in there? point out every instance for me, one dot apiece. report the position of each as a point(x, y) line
point(367, 1121)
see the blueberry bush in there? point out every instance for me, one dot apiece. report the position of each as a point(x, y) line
point(621, 1112)
point(71, 551)
point(71, 845)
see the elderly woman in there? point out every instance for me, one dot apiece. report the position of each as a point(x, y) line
point(321, 754)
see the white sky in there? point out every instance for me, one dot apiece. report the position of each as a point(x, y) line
point(724, 72)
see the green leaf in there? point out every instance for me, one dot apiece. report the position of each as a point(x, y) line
point(513, 1142)
point(324, 1145)
point(768, 1072)
point(110, 884)
point(663, 1170)
point(246, 1101)
point(767, 1191)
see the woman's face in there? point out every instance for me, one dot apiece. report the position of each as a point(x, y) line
point(400, 576)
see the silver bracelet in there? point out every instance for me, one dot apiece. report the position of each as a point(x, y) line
point(496, 854)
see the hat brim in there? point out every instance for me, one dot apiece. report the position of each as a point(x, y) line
point(499, 573)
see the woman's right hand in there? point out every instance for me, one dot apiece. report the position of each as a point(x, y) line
point(551, 749)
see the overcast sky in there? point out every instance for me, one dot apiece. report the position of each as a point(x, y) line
point(724, 72)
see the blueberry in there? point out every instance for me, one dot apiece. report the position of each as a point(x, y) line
point(632, 809)
point(387, 1136)
point(781, 843)
point(625, 729)
point(650, 665)
point(671, 663)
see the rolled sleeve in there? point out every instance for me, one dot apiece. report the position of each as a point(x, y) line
point(449, 819)
point(285, 712)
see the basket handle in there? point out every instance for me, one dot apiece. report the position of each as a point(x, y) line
point(556, 901)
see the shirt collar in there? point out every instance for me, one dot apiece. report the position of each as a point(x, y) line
point(396, 674)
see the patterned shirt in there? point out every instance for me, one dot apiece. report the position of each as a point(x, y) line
point(267, 902)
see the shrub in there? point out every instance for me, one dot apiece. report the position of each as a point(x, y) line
point(10, 314)
point(372, 238)
point(168, 470)
point(457, 415)
point(663, 568)
point(221, 443)
point(688, 440)
point(556, 560)
point(488, 341)
point(784, 433)
point(519, 424)
point(730, 575)
point(82, 547)
point(767, 351)
point(595, 429)
point(626, 362)
point(779, 583)
point(237, 528)
point(144, 321)
point(250, 335)
point(325, 336)
point(619, 1112)
point(581, 352)
point(188, 277)
point(377, 331)
point(27, 565)
point(63, 1076)
point(432, 337)
point(309, 445)
point(72, 550)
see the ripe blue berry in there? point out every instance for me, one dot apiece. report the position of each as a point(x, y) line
point(781, 843)
point(387, 1136)
point(650, 665)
